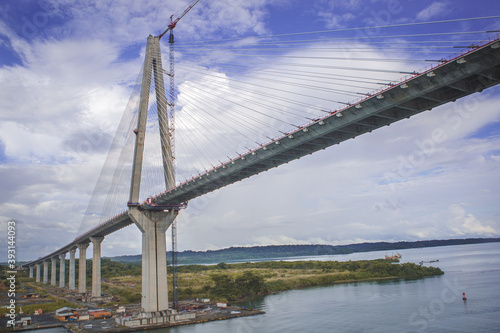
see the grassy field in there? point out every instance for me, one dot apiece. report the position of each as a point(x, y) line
point(227, 282)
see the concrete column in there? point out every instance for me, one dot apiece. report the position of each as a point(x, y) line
point(38, 271)
point(31, 271)
point(72, 269)
point(46, 272)
point(53, 267)
point(153, 226)
point(96, 266)
point(82, 267)
point(142, 122)
point(62, 270)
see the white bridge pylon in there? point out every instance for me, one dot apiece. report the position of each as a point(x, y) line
point(154, 221)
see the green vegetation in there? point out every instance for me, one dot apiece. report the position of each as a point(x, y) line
point(245, 284)
point(270, 277)
point(281, 251)
point(110, 269)
point(228, 282)
point(126, 289)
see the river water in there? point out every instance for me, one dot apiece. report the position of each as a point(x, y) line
point(424, 305)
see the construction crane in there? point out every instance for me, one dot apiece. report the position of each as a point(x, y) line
point(171, 41)
point(171, 26)
point(173, 22)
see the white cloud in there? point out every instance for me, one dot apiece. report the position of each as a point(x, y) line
point(279, 240)
point(436, 9)
point(333, 21)
point(130, 21)
point(22, 143)
point(464, 223)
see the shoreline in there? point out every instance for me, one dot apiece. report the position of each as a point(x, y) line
point(249, 298)
point(199, 320)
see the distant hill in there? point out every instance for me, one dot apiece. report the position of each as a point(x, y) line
point(278, 251)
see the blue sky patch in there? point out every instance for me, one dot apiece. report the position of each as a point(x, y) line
point(3, 158)
point(486, 131)
point(7, 54)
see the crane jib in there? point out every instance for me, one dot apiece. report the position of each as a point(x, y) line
point(173, 23)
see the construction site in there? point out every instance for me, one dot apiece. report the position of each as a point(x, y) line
point(85, 315)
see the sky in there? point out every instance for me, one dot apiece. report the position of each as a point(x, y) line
point(66, 69)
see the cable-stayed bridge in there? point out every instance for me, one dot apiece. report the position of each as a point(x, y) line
point(471, 71)
point(446, 83)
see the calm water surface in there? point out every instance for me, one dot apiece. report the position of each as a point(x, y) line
point(425, 305)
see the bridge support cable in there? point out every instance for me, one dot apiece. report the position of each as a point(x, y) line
point(296, 106)
point(442, 23)
point(234, 131)
point(244, 109)
point(113, 184)
point(201, 156)
point(276, 104)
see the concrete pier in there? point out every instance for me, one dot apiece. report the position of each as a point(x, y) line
point(153, 226)
point(53, 270)
point(82, 267)
point(46, 272)
point(96, 266)
point(62, 270)
point(38, 271)
point(31, 271)
point(72, 285)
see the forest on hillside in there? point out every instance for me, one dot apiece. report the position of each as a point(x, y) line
point(280, 251)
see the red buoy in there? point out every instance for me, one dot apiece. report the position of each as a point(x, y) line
point(464, 298)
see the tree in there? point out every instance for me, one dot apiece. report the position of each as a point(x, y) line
point(223, 286)
point(249, 283)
